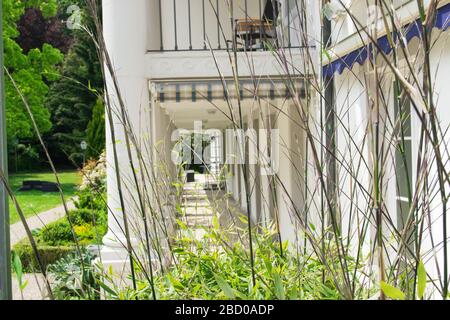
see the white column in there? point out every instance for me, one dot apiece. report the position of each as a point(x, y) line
point(125, 33)
point(286, 193)
point(252, 160)
point(264, 166)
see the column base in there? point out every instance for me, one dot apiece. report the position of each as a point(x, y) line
point(114, 258)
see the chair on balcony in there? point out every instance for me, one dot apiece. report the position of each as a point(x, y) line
point(251, 34)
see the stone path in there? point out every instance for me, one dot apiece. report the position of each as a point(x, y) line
point(38, 221)
point(34, 289)
point(35, 285)
point(200, 205)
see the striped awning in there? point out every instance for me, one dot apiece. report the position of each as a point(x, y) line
point(361, 54)
point(209, 90)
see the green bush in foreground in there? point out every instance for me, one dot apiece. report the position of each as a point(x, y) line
point(73, 277)
point(215, 267)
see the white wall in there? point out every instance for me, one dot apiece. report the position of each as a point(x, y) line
point(440, 60)
point(353, 89)
point(353, 145)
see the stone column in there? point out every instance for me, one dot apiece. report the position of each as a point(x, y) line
point(125, 32)
point(286, 193)
point(264, 165)
point(252, 161)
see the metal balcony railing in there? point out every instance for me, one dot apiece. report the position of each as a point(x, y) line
point(246, 25)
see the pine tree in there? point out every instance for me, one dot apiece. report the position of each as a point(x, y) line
point(96, 131)
point(71, 100)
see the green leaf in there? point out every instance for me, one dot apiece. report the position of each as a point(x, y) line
point(107, 289)
point(392, 292)
point(24, 285)
point(327, 54)
point(279, 288)
point(215, 222)
point(181, 224)
point(421, 279)
point(17, 267)
point(175, 283)
point(225, 287)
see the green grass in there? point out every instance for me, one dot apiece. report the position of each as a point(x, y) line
point(34, 202)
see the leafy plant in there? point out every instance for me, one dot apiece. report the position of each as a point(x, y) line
point(73, 277)
point(57, 233)
point(212, 268)
point(96, 131)
point(392, 292)
point(18, 271)
point(32, 71)
point(48, 255)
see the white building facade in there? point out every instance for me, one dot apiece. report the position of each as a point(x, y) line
point(174, 67)
point(368, 96)
point(177, 64)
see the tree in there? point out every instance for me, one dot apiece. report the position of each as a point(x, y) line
point(32, 71)
point(36, 30)
point(71, 100)
point(96, 131)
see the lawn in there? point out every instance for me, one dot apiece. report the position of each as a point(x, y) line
point(33, 202)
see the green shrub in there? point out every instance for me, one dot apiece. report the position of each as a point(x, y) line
point(91, 199)
point(89, 226)
point(87, 216)
point(96, 131)
point(48, 255)
point(56, 234)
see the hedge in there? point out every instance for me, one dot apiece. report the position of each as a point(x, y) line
point(48, 255)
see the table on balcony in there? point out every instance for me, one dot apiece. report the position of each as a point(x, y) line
point(251, 30)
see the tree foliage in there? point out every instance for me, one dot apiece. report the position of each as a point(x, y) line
point(36, 30)
point(96, 131)
point(71, 100)
point(32, 71)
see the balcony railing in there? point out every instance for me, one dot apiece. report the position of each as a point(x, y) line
point(247, 25)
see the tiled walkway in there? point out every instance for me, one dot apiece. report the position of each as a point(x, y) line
point(201, 204)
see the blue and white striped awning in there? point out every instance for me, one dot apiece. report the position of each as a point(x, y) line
point(360, 55)
point(209, 90)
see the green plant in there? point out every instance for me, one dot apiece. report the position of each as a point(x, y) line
point(215, 268)
point(91, 199)
point(48, 255)
point(96, 131)
point(32, 71)
point(57, 233)
point(87, 216)
point(18, 271)
point(74, 277)
point(395, 293)
point(89, 226)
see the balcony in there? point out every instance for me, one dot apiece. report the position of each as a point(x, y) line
point(244, 25)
